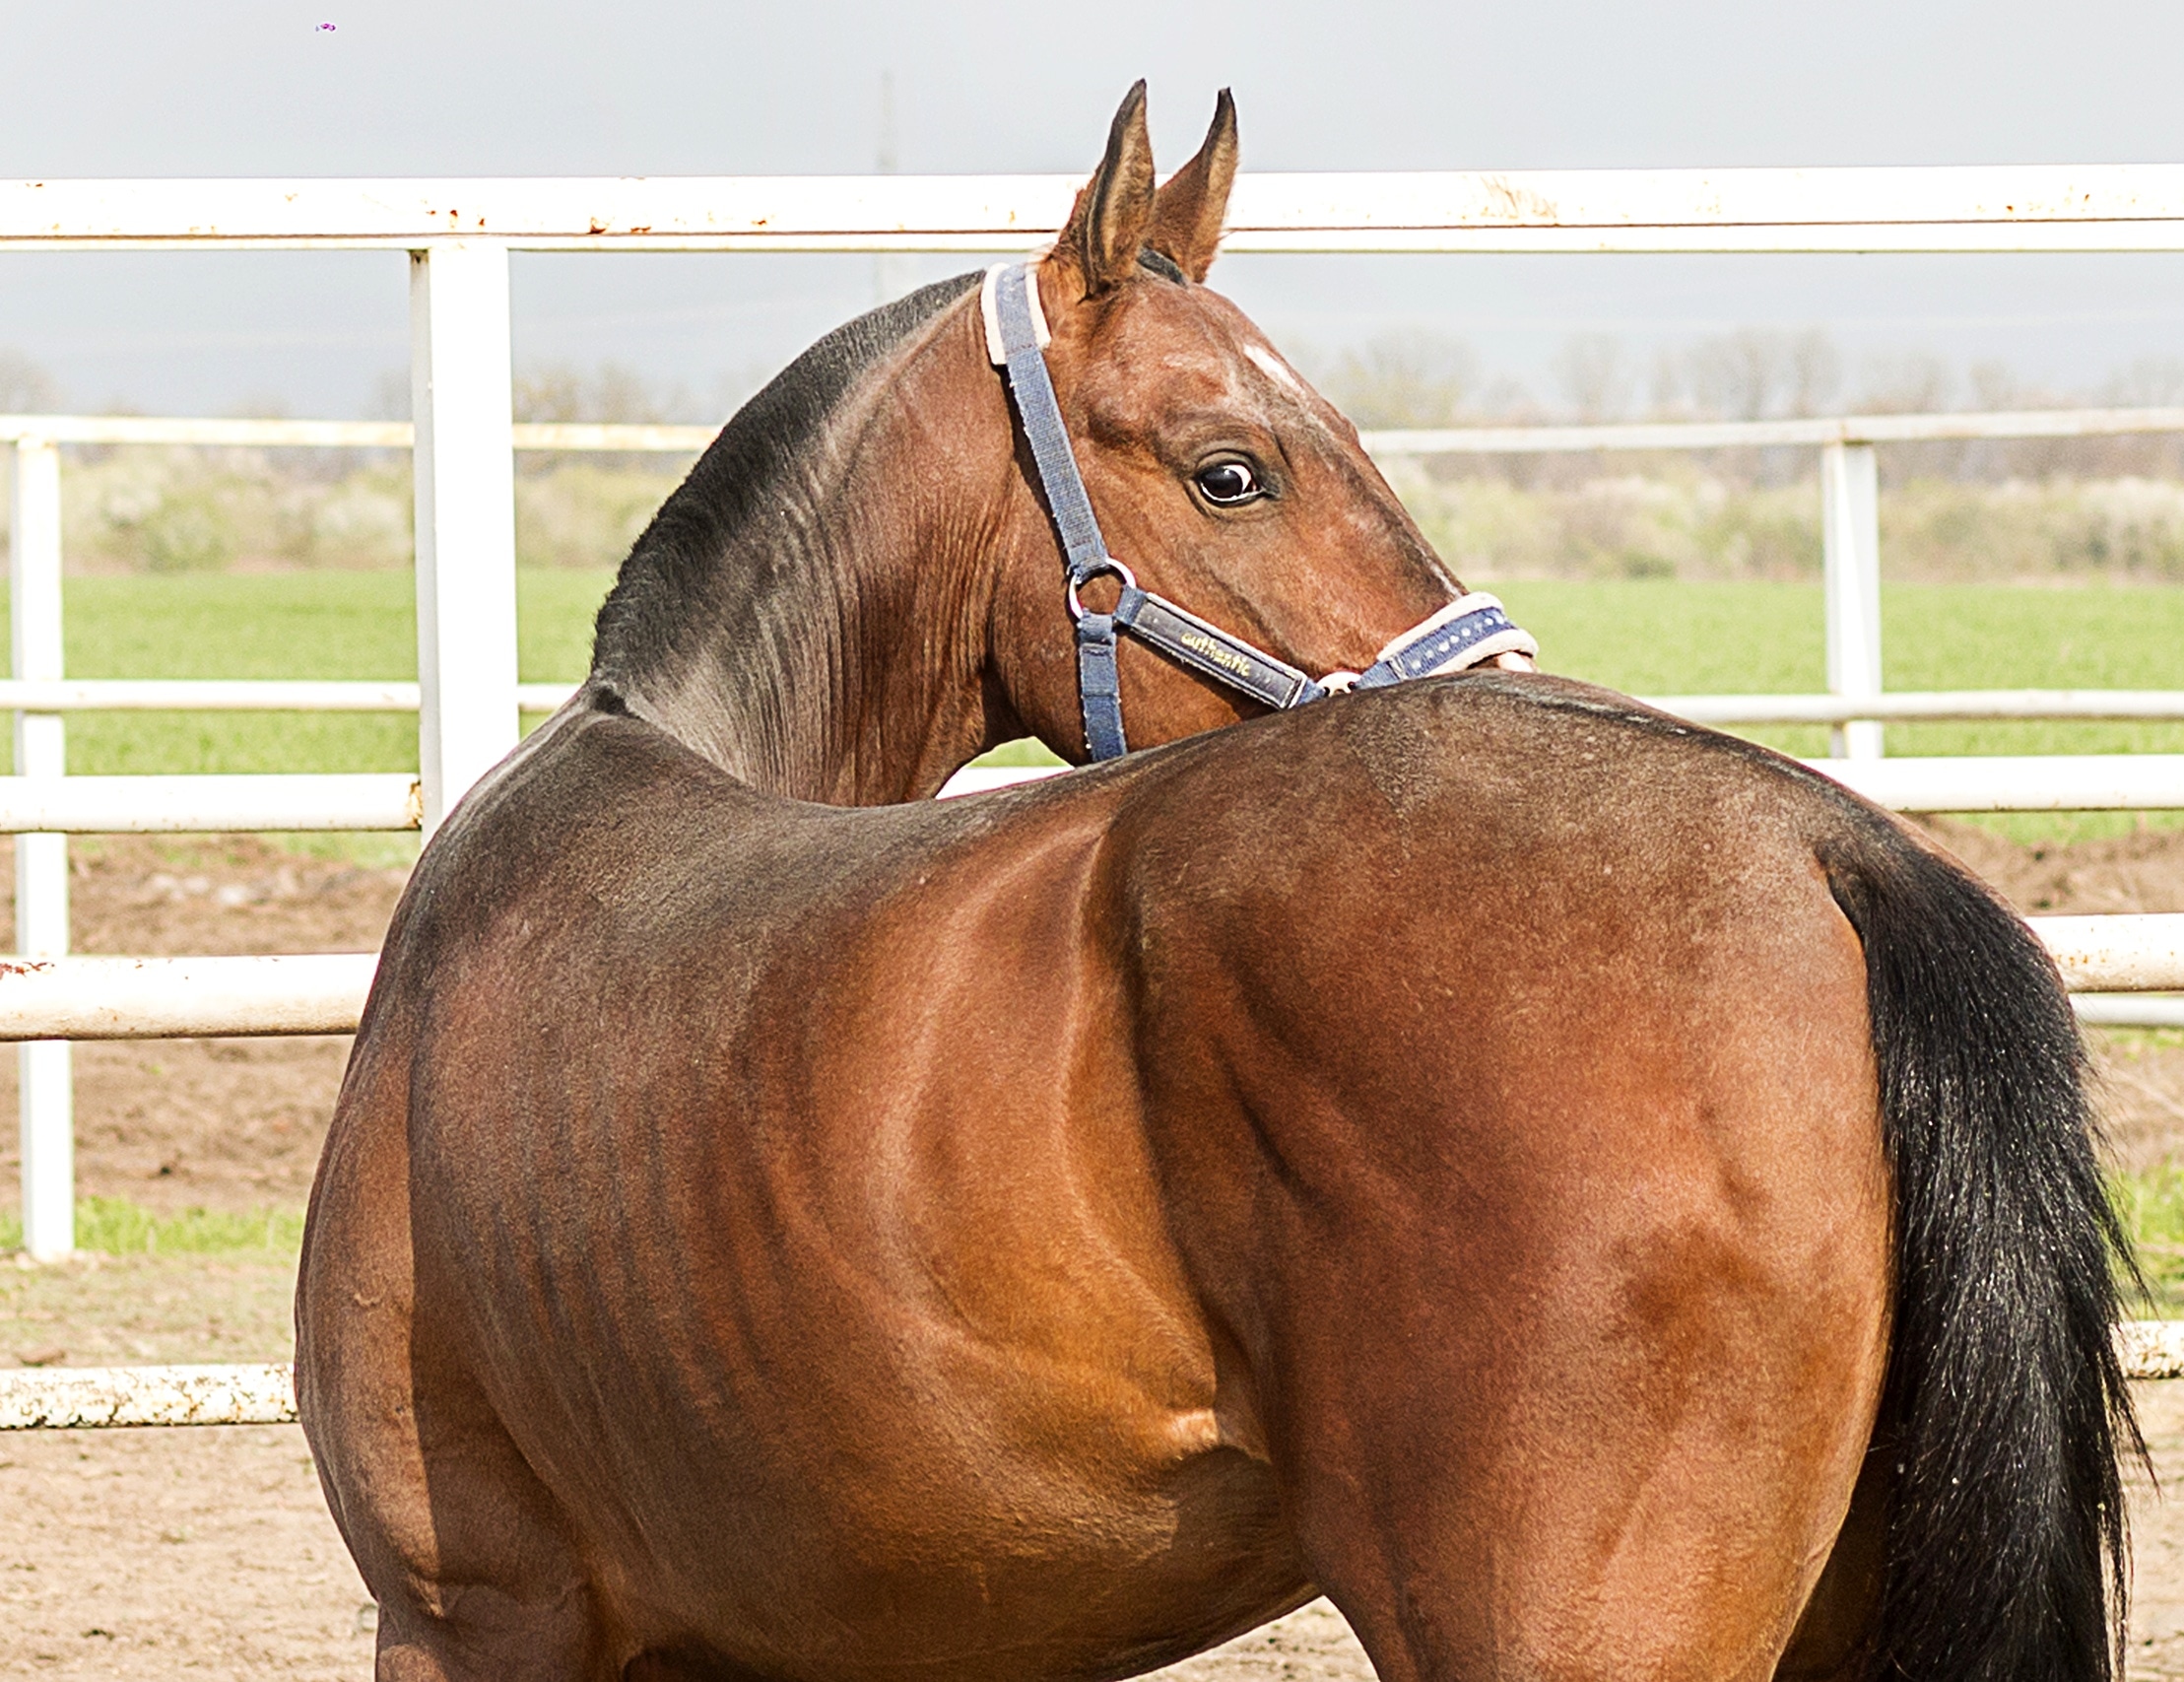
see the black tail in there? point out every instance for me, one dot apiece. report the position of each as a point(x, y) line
point(2005, 1406)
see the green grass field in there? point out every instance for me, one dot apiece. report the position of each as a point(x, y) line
point(1646, 636)
point(117, 1226)
point(282, 625)
point(1662, 638)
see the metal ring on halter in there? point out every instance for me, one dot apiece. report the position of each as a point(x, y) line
point(1106, 565)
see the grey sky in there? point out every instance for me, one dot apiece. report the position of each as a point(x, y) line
point(551, 88)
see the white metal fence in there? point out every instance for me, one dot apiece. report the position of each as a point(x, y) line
point(459, 235)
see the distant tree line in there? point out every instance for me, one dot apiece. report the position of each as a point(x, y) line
point(1418, 378)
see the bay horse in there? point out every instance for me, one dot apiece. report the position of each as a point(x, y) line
point(1590, 1197)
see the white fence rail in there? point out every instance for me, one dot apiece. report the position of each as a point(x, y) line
point(280, 695)
point(460, 233)
point(205, 805)
point(48, 1399)
point(1908, 706)
point(1814, 430)
point(167, 998)
point(631, 438)
point(2012, 208)
point(160, 998)
point(2077, 783)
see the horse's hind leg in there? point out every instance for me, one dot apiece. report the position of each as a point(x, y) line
point(1834, 1637)
point(453, 1533)
point(1604, 1413)
point(493, 1591)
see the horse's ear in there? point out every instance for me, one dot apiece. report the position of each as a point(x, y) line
point(1187, 213)
point(1108, 222)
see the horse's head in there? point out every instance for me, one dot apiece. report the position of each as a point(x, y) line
point(858, 586)
point(1218, 476)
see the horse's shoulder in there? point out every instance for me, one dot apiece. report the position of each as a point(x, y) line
point(645, 852)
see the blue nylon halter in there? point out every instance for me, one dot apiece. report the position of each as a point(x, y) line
point(1466, 632)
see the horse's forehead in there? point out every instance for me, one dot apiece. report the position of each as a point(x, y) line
point(1218, 346)
point(1274, 368)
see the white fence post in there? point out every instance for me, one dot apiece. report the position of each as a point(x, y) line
point(465, 474)
point(1850, 535)
point(44, 1098)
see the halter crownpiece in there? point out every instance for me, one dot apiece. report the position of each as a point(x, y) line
point(1468, 631)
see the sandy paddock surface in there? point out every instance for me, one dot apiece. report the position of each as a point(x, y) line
point(161, 1553)
point(156, 1554)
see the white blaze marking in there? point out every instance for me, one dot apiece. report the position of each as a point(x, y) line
point(1277, 371)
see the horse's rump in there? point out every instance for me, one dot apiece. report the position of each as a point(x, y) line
point(1518, 1050)
point(1701, 1074)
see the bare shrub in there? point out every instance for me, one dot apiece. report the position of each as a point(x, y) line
point(1596, 379)
point(1407, 378)
point(1909, 382)
point(24, 387)
point(585, 513)
point(1756, 374)
point(188, 530)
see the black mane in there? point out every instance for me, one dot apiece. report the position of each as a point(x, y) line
point(739, 479)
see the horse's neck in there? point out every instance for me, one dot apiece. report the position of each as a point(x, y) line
point(859, 692)
point(835, 648)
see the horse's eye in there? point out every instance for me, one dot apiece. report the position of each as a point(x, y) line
point(1229, 483)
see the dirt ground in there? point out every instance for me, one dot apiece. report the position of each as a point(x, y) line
point(156, 1553)
point(140, 1556)
point(208, 1124)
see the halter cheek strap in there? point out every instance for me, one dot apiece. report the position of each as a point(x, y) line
point(1466, 632)
point(1015, 330)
